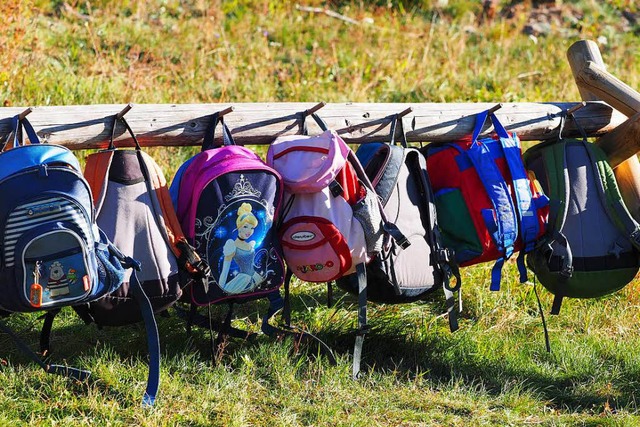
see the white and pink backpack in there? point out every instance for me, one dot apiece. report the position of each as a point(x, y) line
point(333, 222)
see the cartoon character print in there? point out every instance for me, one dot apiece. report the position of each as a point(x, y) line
point(242, 251)
point(57, 284)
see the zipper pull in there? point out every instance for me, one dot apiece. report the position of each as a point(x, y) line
point(44, 170)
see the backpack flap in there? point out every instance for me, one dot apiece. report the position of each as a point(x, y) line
point(307, 164)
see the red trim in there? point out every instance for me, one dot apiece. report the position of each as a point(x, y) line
point(301, 148)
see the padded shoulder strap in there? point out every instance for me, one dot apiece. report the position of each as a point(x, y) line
point(611, 197)
point(96, 172)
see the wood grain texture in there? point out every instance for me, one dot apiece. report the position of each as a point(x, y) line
point(89, 126)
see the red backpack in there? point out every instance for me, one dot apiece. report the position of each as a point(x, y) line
point(487, 206)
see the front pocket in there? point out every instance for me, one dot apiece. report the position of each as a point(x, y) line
point(315, 250)
point(53, 267)
point(457, 227)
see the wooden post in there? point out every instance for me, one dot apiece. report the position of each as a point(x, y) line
point(621, 144)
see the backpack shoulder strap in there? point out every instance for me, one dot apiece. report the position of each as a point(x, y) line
point(611, 197)
point(526, 209)
point(505, 231)
point(444, 257)
point(96, 172)
point(169, 224)
point(555, 161)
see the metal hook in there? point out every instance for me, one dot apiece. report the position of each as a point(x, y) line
point(25, 113)
point(575, 108)
point(225, 111)
point(313, 109)
point(124, 111)
point(404, 112)
point(495, 108)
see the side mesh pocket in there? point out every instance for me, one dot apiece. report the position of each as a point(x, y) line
point(367, 212)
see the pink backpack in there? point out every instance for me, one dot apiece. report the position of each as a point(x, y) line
point(333, 222)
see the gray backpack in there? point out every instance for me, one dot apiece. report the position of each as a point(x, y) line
point(402, 274)
point(590, 246)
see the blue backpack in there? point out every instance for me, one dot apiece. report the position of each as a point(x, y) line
point(52, 253)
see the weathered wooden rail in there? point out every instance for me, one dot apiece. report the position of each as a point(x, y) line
point(89, 126)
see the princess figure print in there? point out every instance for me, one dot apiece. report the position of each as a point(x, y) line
point(241, 251)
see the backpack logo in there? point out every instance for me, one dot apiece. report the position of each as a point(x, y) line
point(303, 236)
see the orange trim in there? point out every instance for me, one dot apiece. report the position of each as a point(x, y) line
point(159, 185)
point(96, 173)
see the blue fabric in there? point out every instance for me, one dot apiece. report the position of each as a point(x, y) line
point(28, 156)
point(31, 133)
point(498, 192)
point(496, 274)
point(174, 189)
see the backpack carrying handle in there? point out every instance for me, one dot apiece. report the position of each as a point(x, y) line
point(209, 135)
point(481, 118)
point(302, 119)
point(117, 117)
point(17, 124)
point(396, 121)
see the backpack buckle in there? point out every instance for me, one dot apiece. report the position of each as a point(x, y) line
point(445, 255)
point(567, 271)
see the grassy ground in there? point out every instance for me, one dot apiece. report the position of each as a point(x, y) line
point(494, 371)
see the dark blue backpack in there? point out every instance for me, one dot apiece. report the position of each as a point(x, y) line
point(52, 253)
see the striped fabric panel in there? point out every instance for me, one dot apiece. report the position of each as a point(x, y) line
point(22, 220)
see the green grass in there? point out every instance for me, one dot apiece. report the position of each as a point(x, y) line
point(493, 371)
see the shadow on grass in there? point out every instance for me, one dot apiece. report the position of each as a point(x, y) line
point(431, 352)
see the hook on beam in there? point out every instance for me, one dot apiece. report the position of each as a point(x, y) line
point(576, 107)
point(495, 108)
point(225, 111)
point(313, 109)
point(25, 113)
point(124, 111)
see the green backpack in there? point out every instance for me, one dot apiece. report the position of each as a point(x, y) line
point(590, 248)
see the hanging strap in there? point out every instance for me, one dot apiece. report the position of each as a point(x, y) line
point(301, 117)
point(113, 132)
point(153, 340)
point(544, 322)
point(209, 134)
point(363, 328)
point(66, 371)
point(17, 126)
point(45, 332)
point(501, 222)
point(558, 245)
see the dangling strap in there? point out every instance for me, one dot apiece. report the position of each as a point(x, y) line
point(153, 340)
point(286, 310)
point(209, 134)
point(329, 294)
point(222, 333)
point(66, 371)
point(276, 303)
point(45, 332)
point(544, 322)
point(363, 328)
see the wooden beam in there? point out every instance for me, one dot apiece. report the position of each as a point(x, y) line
point(89, 126)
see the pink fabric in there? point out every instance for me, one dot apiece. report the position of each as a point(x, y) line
point(306, 171)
